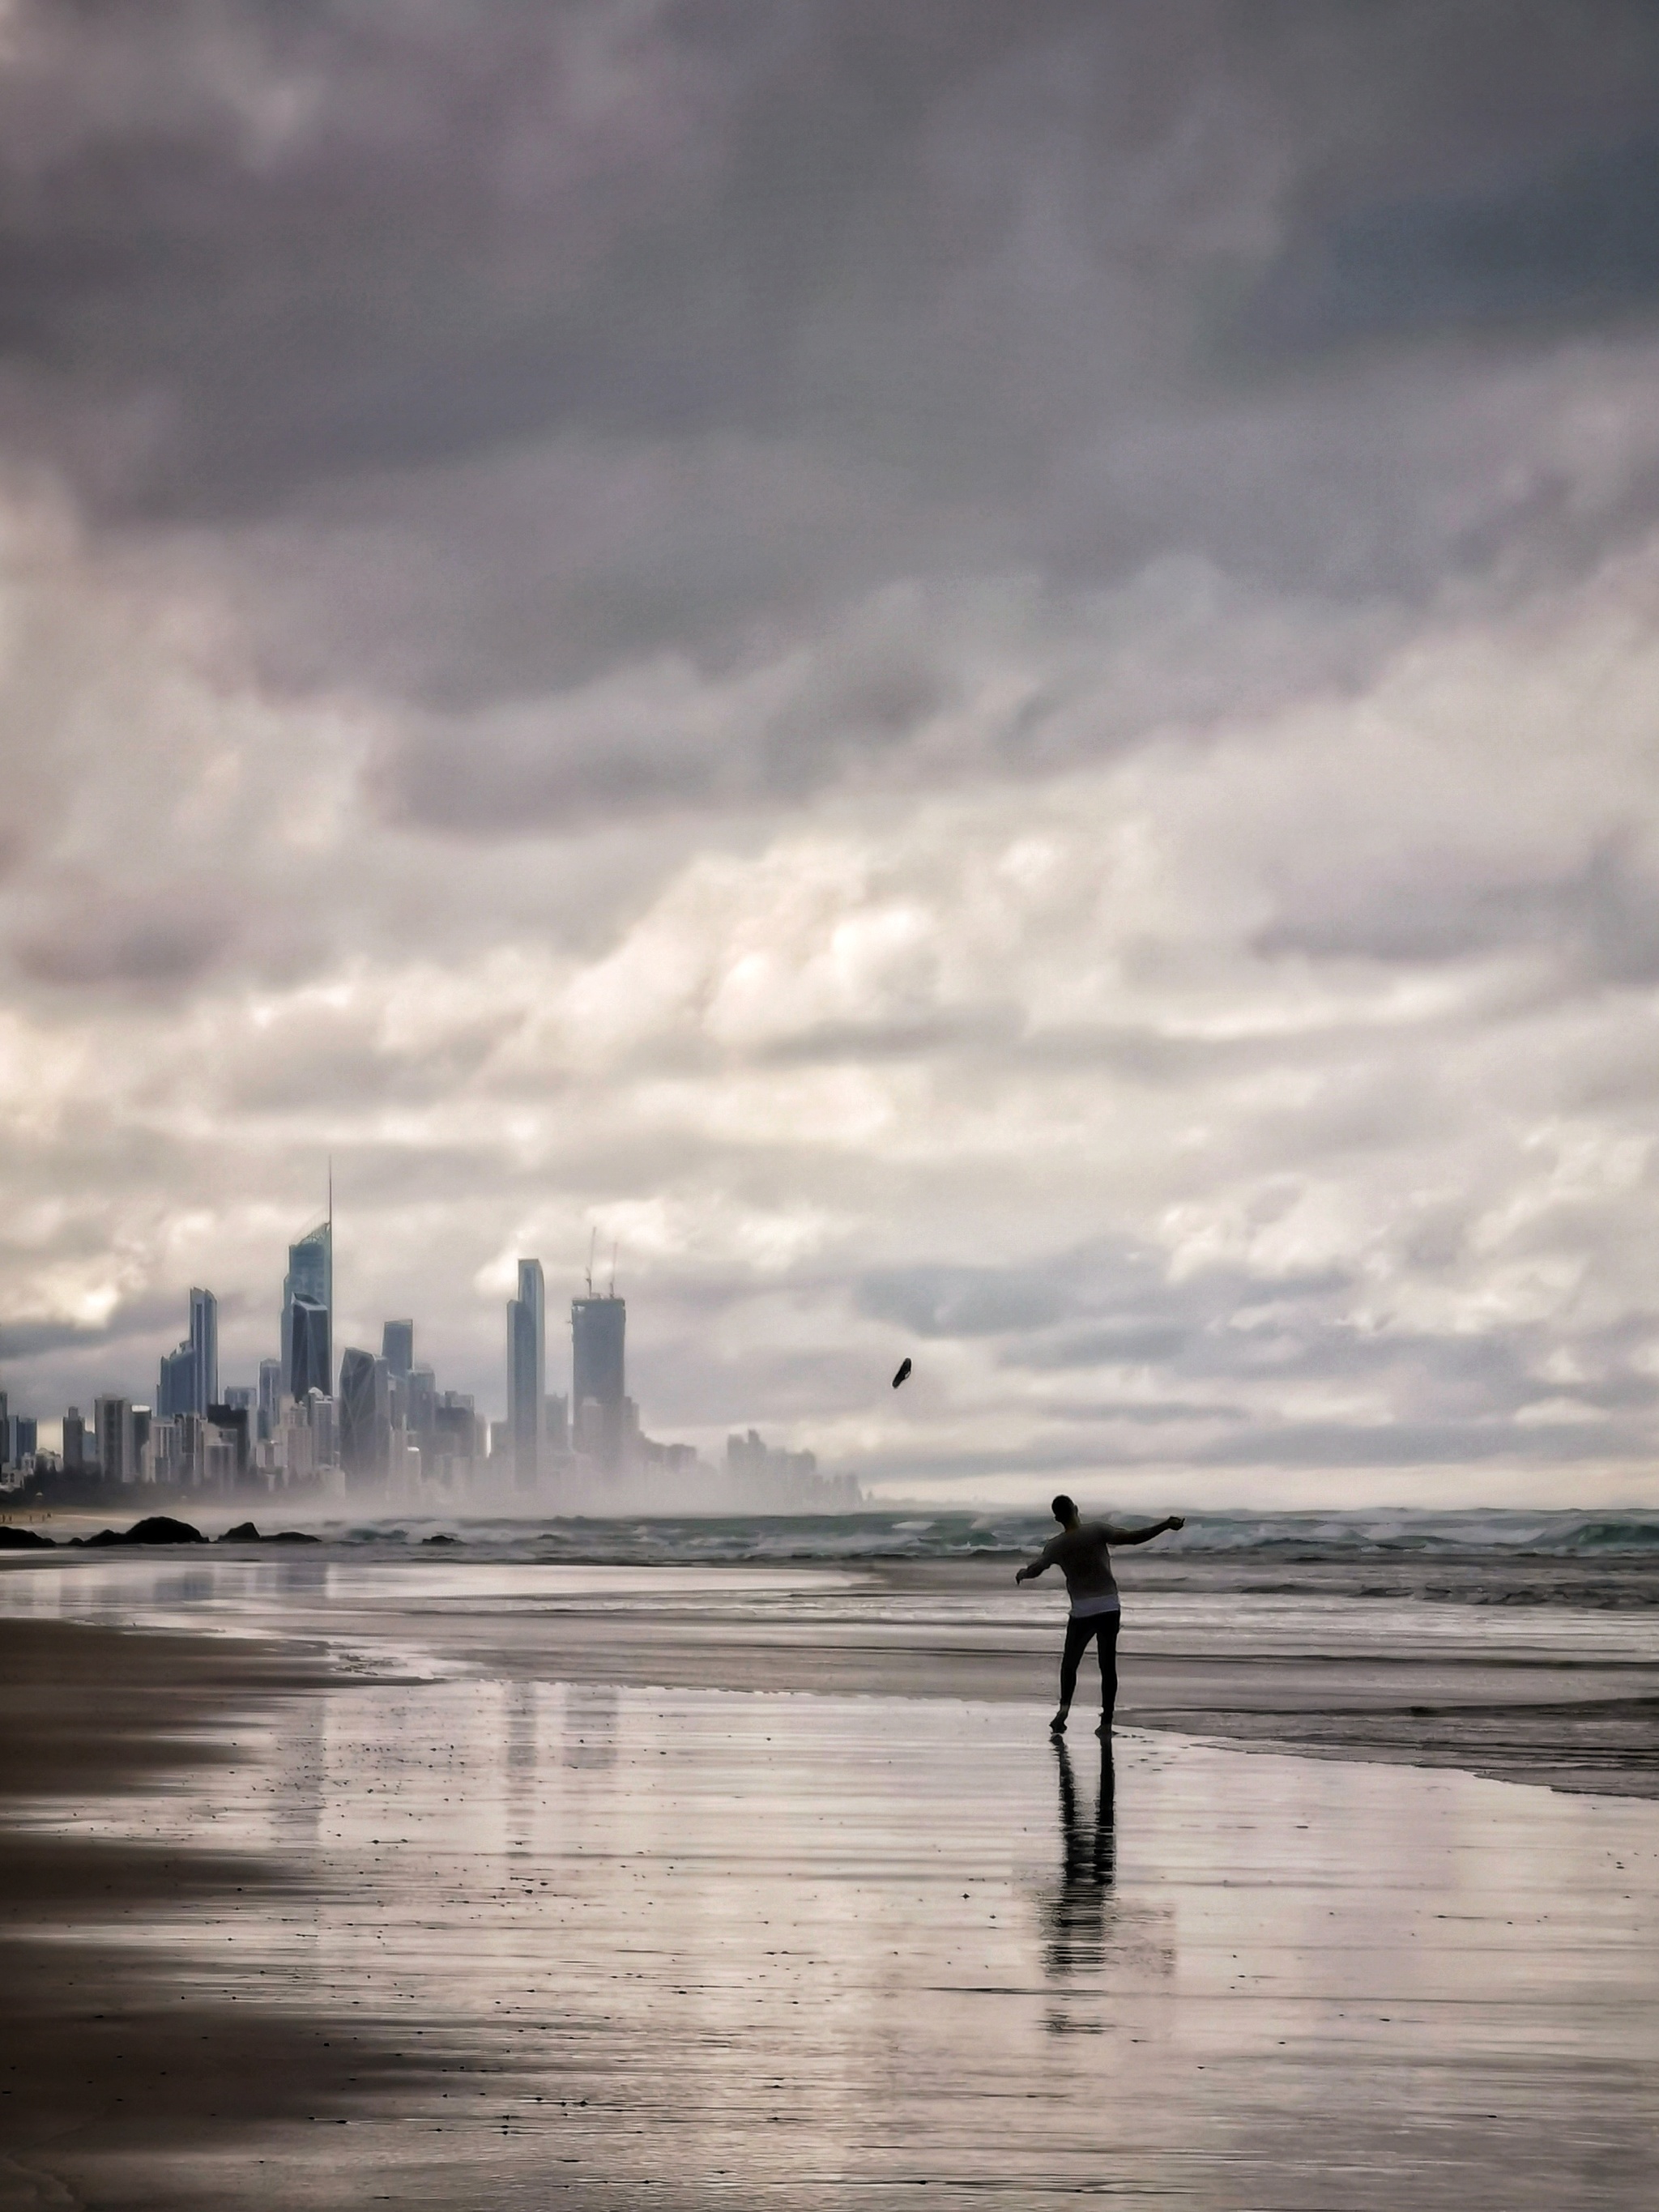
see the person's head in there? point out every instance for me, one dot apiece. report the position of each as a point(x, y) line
point(1063, 1510)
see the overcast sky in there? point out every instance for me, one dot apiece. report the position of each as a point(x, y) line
point(984, 678)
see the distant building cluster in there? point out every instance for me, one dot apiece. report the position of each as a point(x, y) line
point(380, 1428)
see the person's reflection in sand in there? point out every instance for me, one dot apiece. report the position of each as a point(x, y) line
point(1075, 1913)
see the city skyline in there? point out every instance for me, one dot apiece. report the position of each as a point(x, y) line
point(370, 1390)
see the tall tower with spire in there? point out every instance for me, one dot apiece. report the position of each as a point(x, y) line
point(309, 1308)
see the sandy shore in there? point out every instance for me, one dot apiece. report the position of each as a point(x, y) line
point(113, 2061)
point(284, 1937)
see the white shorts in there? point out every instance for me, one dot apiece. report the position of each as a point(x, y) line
point(1090, 1608)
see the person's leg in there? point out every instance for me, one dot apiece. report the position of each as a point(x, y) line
point(1078, 1633)
point(1108, 1624)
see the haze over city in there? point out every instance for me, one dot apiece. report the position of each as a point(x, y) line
point(980, 679)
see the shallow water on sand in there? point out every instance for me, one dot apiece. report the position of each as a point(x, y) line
point(697, 1948)
point(441, 1604)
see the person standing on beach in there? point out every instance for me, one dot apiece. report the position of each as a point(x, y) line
point(1082, 1551)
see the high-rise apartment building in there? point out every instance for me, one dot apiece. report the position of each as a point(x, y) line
point(75, 1441)
point(271, 1399)
point(455, 1430)
point(112, 1424)
point(162, 1457)
point(310, 1361)
point(526, 1372)
point(205, 1346)
point(308, 1314)
point(230, 1425)
point(598, 1328)
point(189, 1381)
point(365, 1420)
point(421, 1406)
point(175, 1387)
point(397, 1346)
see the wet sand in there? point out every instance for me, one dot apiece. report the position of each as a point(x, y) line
point(473, 1932)
point(1563, 1694)
point(113, 2051)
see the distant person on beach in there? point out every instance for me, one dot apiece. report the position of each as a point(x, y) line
point(1082, 1553)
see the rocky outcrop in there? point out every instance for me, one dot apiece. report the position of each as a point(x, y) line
point(156, 1529)
point(246, 1533)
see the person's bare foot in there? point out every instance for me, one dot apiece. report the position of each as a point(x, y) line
point(1057, 1726)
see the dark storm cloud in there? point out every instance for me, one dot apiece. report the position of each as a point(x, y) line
point(497, 347)
point(1568, 242)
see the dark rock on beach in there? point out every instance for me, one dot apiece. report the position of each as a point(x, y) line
point(246, 1533)
point(157, 1529)
point(25, 1540)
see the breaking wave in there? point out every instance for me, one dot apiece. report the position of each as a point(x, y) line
point(916, 1535)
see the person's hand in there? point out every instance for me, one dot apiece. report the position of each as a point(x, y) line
point(1176, 1520)
point(1020, 1576)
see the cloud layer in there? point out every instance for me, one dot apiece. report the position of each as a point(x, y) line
point(980, 678)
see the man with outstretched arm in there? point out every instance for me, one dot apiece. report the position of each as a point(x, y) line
point(1082, 1553)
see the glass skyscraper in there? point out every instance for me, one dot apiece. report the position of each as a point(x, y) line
point(175, 1391)
point(308, 1314)
point(310, 1366)
point(189, 1381)
point(204, 1348)
point(365, 1422)
point(598, 1328)
point(270, 1398)
point(526, 1372)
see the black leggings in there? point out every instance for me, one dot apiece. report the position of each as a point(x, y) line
point(1080, 1634)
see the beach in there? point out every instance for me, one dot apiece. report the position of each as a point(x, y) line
point(334, 1880)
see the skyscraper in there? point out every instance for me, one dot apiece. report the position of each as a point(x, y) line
point(420, 1406)
point(175, 1388)
point(397, 1346)
point(526, 1372)
point(365, 1422)
point(308, 1313)
point(204, 1348)
point(271, 1399)
point(598, 1327)
point(189, 1381)
point(309, 1364)
point(112, 1420)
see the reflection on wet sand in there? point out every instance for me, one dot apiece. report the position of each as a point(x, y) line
point(712, 1949)
point(1076, 1912)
